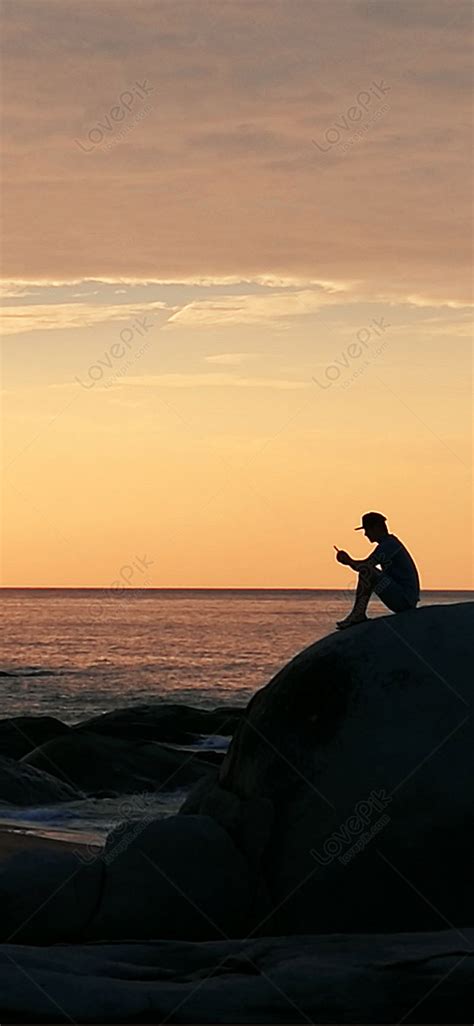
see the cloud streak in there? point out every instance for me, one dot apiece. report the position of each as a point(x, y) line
point(216, 380)
point(17, 320)
point(229, 359)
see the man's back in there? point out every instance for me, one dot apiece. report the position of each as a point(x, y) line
point(395, 559)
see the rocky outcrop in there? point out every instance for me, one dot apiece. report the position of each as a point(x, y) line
point(94, 762)
point(20, 734)
point(163, 721)
point(411, 978)
point(24, 785)
point(48, 896)
point(178, 878)
point(360, 757)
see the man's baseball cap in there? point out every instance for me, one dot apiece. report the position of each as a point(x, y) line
point(371, 520)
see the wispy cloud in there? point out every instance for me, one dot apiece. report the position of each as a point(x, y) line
point(230, 359)
point(252, 309)
point(209, 381)
point(18, 290)
point(16, 320)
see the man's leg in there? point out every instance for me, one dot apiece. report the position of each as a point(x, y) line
point(392, 595)
point(368, 577)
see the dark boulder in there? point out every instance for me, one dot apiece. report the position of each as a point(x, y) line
point(48, 896)
point(363, 746)
point(177, 878)
point(163, 721)
point(20, 734)
point(94, 762)
point(24, 785)
point(180, 877)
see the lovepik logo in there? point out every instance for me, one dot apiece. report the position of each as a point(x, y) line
point(116, 352)
point(354, 113)
point(334, 845)
point(352, 352)
point(117, 113)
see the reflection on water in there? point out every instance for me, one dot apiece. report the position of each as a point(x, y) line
point(77, 653)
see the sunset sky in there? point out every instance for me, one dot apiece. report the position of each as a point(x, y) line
point(237, 289)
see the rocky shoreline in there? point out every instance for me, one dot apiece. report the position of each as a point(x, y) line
point(128, 751)
point(321, 870)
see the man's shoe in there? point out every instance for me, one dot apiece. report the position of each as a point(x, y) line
point(351, 621)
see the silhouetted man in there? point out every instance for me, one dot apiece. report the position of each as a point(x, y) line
point(396, 582)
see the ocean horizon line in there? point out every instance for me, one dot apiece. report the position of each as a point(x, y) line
point(223, 589)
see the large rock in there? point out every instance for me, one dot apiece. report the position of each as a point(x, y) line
point(176, 878)
point(363, 746)
point(411, 978)
point(48, 896)
point(163, 721)
point(24, 785)
point(95, 763)
point(20, 734)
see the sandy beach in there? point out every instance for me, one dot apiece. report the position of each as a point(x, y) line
point(12, 842)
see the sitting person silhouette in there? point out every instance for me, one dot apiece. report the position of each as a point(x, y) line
point(396, 583)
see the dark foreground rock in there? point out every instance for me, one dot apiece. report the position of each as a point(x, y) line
point(20, 734)
point(349, 785)
point(48, 896)
point(93, 762)
point(414, 978)
point(178, 878)
point(24, 785)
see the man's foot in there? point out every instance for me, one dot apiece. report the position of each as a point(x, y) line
point(351, 621)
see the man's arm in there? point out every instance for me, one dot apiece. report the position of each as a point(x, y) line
point(357, 564)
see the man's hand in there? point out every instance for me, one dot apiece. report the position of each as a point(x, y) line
point(343, 557)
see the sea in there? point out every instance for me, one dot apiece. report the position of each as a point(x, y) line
point(75, 653)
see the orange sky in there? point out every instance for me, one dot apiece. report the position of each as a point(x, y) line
point(237, 289)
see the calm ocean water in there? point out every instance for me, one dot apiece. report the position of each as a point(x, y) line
point(76, 653)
